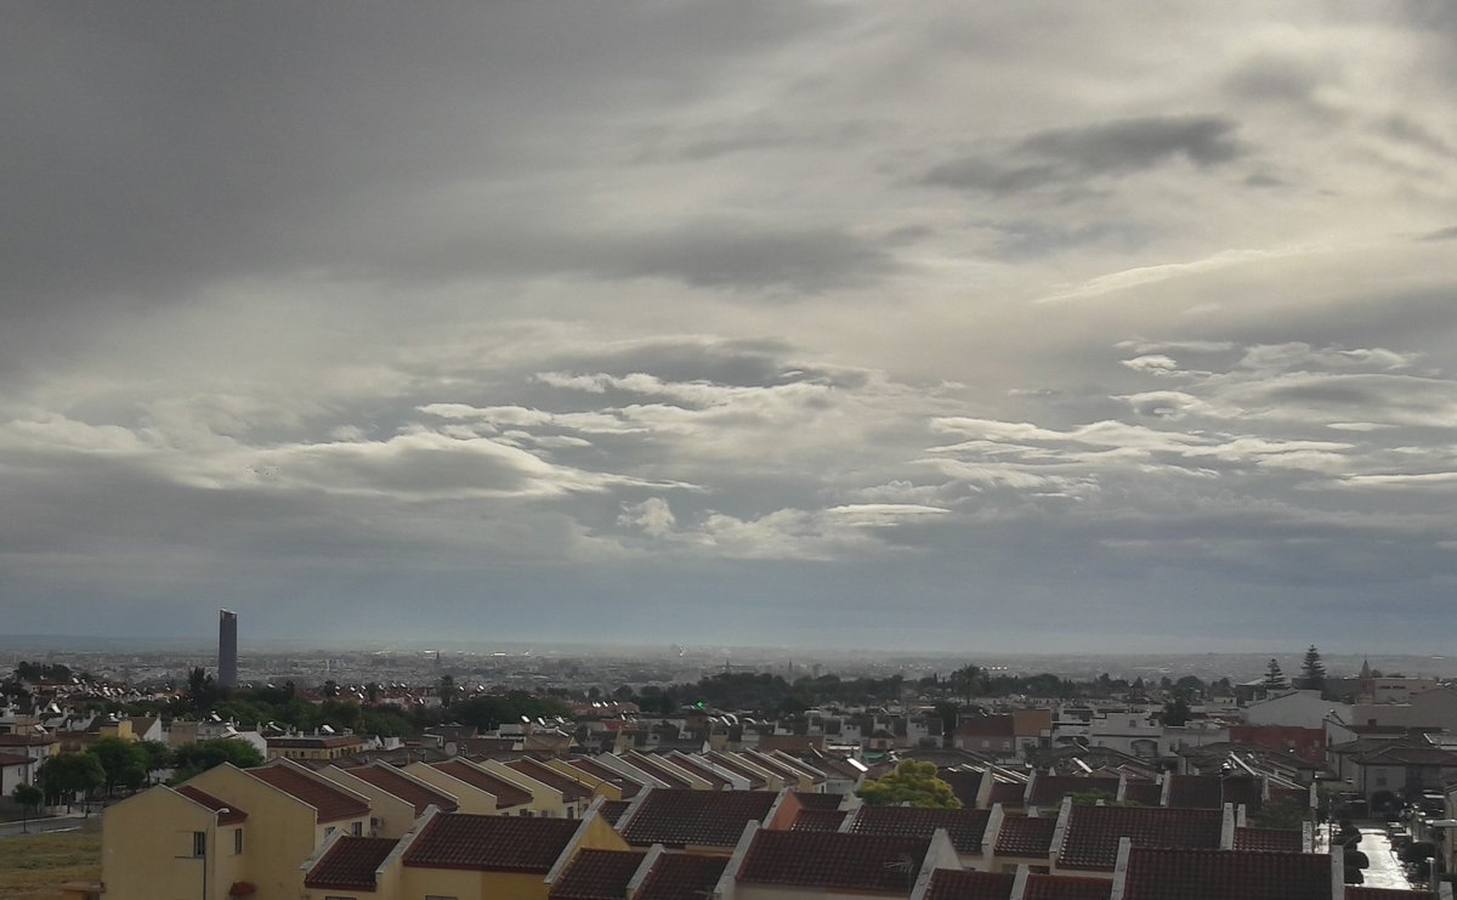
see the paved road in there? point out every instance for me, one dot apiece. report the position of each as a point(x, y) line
point(1385, 870)
point(42, 826)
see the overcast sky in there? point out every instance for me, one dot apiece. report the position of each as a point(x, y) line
point(1037, 326)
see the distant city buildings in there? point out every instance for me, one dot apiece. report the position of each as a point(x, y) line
point(227, 648)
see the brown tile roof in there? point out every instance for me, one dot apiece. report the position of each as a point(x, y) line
point(1065, 887)
point(818, 801)
point(507, 794)
point(832, 860)
point(965, 826)
point(627, 786)
point(350, 863)
point(389, 779)
point(1026, 836)
point(612, 810)
point(659, 771)
point(1281, 839)
point(784, 770)
point(703, 770)
point(987, 726)
point(682, 876)
point(968, 884)
point(490, 843)
point(26, 740)
point(757, 781)
point(14, 759)
point(1091, 840)
point(678, 818)
point(1048, 790)
point(570, 788)
point(812, 819)
point(1212, 791)
point(1008, 793)
point(233, 815)
point(316, 742)
point(332, 803)
point(597, 875)
point(1174, 874)
point(964, 785)
point(1144, 793)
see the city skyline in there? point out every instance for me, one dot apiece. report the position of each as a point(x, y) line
point(1025, 326)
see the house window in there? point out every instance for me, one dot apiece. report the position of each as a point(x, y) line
point(358, 829)
point(199, 843)
point(237, 842)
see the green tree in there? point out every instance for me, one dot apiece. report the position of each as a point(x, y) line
point(1176, 712)
point(190, 759)
point(911, 784)
point(446, 690)
point(29, 797)
point(123, 762)
point(1312, 671)
point(966, 680)
point(1285, 814)
point(1275, 677)
point(158, 755)
point(63, 777)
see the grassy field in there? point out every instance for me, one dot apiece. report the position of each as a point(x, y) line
point(31, 866)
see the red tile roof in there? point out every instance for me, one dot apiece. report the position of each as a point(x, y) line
point(350, 863)
point(233, 815)
point(682, 876)
point(1026, 836)
point(703, 770)
point(1091, 840)
point(490, 843)
point(612, 810)
point(1008, 793)
point(390, 780)
point(333, 804)
point(964, 785)
point(818, 820)
point(832, 860)
point(1069, 887)
point(26, 740)
point(757, 781)
point(627, 786)
point(597, 875)
point(987, 726)
point(571, 789)
point(677, 818)
point(1172, 874)
point(659, 771)
point(967, 884)
point(1212, 791)
point(14, 759)
point(1281, 839)
point(1144, 793)
point(507, 794)
point(965, 826)
point(1048, 790)
point(810, 800)
point(791, 773)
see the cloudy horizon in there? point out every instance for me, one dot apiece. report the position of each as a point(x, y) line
point(999, 326)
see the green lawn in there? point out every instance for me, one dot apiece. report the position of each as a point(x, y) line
point(32, 865)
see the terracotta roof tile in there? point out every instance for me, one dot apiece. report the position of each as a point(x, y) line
point(612, 810)
point(507, 794)
point(333, 804)
point(987, 726)
point(679, 818)
point(1212, 791)
point(627, 786)
point(682, 876)
point(967, 884)
point(1281, 839)
point(1091, 840)
point(490, 843)
point(818, 820)
point(1026, 836)
point(697, 766)
point(389, 779)
point(1173, 874)
point(571, 789)
point(658, 770)
point(1144, 793)
point(350, 863)
point(1048, 790)
point(757, 781)
point(1066, 887)
point(233, 815)
point(1008, 793)
point(597, 875)
point(832, 860)
point(810, 800)
point(964, 785)
point(965, 826)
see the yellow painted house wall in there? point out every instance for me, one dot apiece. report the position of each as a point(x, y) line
point(463, 884)
point(395, 815)
point(601, 836)
point(546, 801)
point(470, 798)
point(284, 833)
point(596, 785)
point(146, 848)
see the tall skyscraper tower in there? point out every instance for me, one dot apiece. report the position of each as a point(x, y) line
point(227, 648)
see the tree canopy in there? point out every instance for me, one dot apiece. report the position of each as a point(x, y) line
point(912, 783)
point(1274, 676)
point(190, 759)
point(1312, 671)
